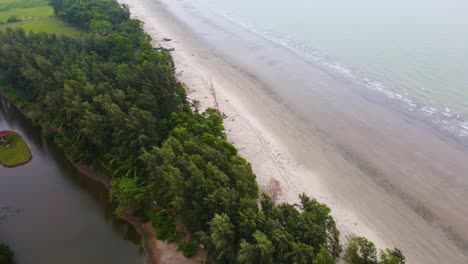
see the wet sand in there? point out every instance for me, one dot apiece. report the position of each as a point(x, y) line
point(385, 174)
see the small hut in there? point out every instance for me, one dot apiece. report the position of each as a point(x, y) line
point(5, 137)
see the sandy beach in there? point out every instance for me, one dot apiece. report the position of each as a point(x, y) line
point(385, 175)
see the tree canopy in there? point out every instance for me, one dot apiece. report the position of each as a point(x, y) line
point(362, 251)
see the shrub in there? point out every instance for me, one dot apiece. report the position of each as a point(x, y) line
point(163, 225)
point(12, 19)
point(360, 251)
point(188, 249)
point(143, 213)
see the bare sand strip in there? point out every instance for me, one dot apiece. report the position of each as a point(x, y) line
point(340, 160)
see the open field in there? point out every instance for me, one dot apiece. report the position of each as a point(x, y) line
point(11, 4)
point(16, 153)
point(48, 25)
point(24, 13)
point(37, 19)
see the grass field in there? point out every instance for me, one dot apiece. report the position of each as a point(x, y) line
point(24, 13)
point(37, 19)
point(10, 4)
point(48, 25)
point(17, 153)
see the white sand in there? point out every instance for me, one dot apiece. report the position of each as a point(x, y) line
point(280, 145)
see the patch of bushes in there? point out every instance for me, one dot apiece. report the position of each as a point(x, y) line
point(188, 249)
point(143, 213)
point(12, 19)
point(163, 224)
point(165, 229)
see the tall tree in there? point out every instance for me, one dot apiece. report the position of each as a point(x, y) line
point(260, 251)
point(222, 238)
point(324, 257)
point(392, 256)
point(360, 251)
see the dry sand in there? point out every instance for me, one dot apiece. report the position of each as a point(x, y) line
point(306, 158)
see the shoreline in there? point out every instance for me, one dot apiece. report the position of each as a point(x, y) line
point(379, 182)
point(270, 158)
point(2, 94)
point(157, 251)
point(386, 176)
point(29, 150)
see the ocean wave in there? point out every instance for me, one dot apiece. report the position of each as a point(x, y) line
point(441, 117)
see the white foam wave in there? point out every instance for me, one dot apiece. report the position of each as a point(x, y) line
point(443, 117)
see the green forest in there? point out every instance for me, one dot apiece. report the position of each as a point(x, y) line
point(109, 99)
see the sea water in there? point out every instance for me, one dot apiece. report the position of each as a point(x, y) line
point(414, 52)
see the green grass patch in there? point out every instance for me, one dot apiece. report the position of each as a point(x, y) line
point(48, 25)
point(15, 153)
point(10, 4)
point(25, 13)
point(37, 19)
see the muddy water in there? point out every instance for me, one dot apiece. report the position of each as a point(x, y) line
point(51, 213)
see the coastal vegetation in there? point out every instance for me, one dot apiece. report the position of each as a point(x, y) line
point(109, 99)
point(15, 152)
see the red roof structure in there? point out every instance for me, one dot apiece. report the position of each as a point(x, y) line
point(4, 133)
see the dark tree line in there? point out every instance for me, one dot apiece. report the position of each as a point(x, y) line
point(110, 100)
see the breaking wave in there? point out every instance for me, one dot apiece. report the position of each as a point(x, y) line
point(442, 118)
